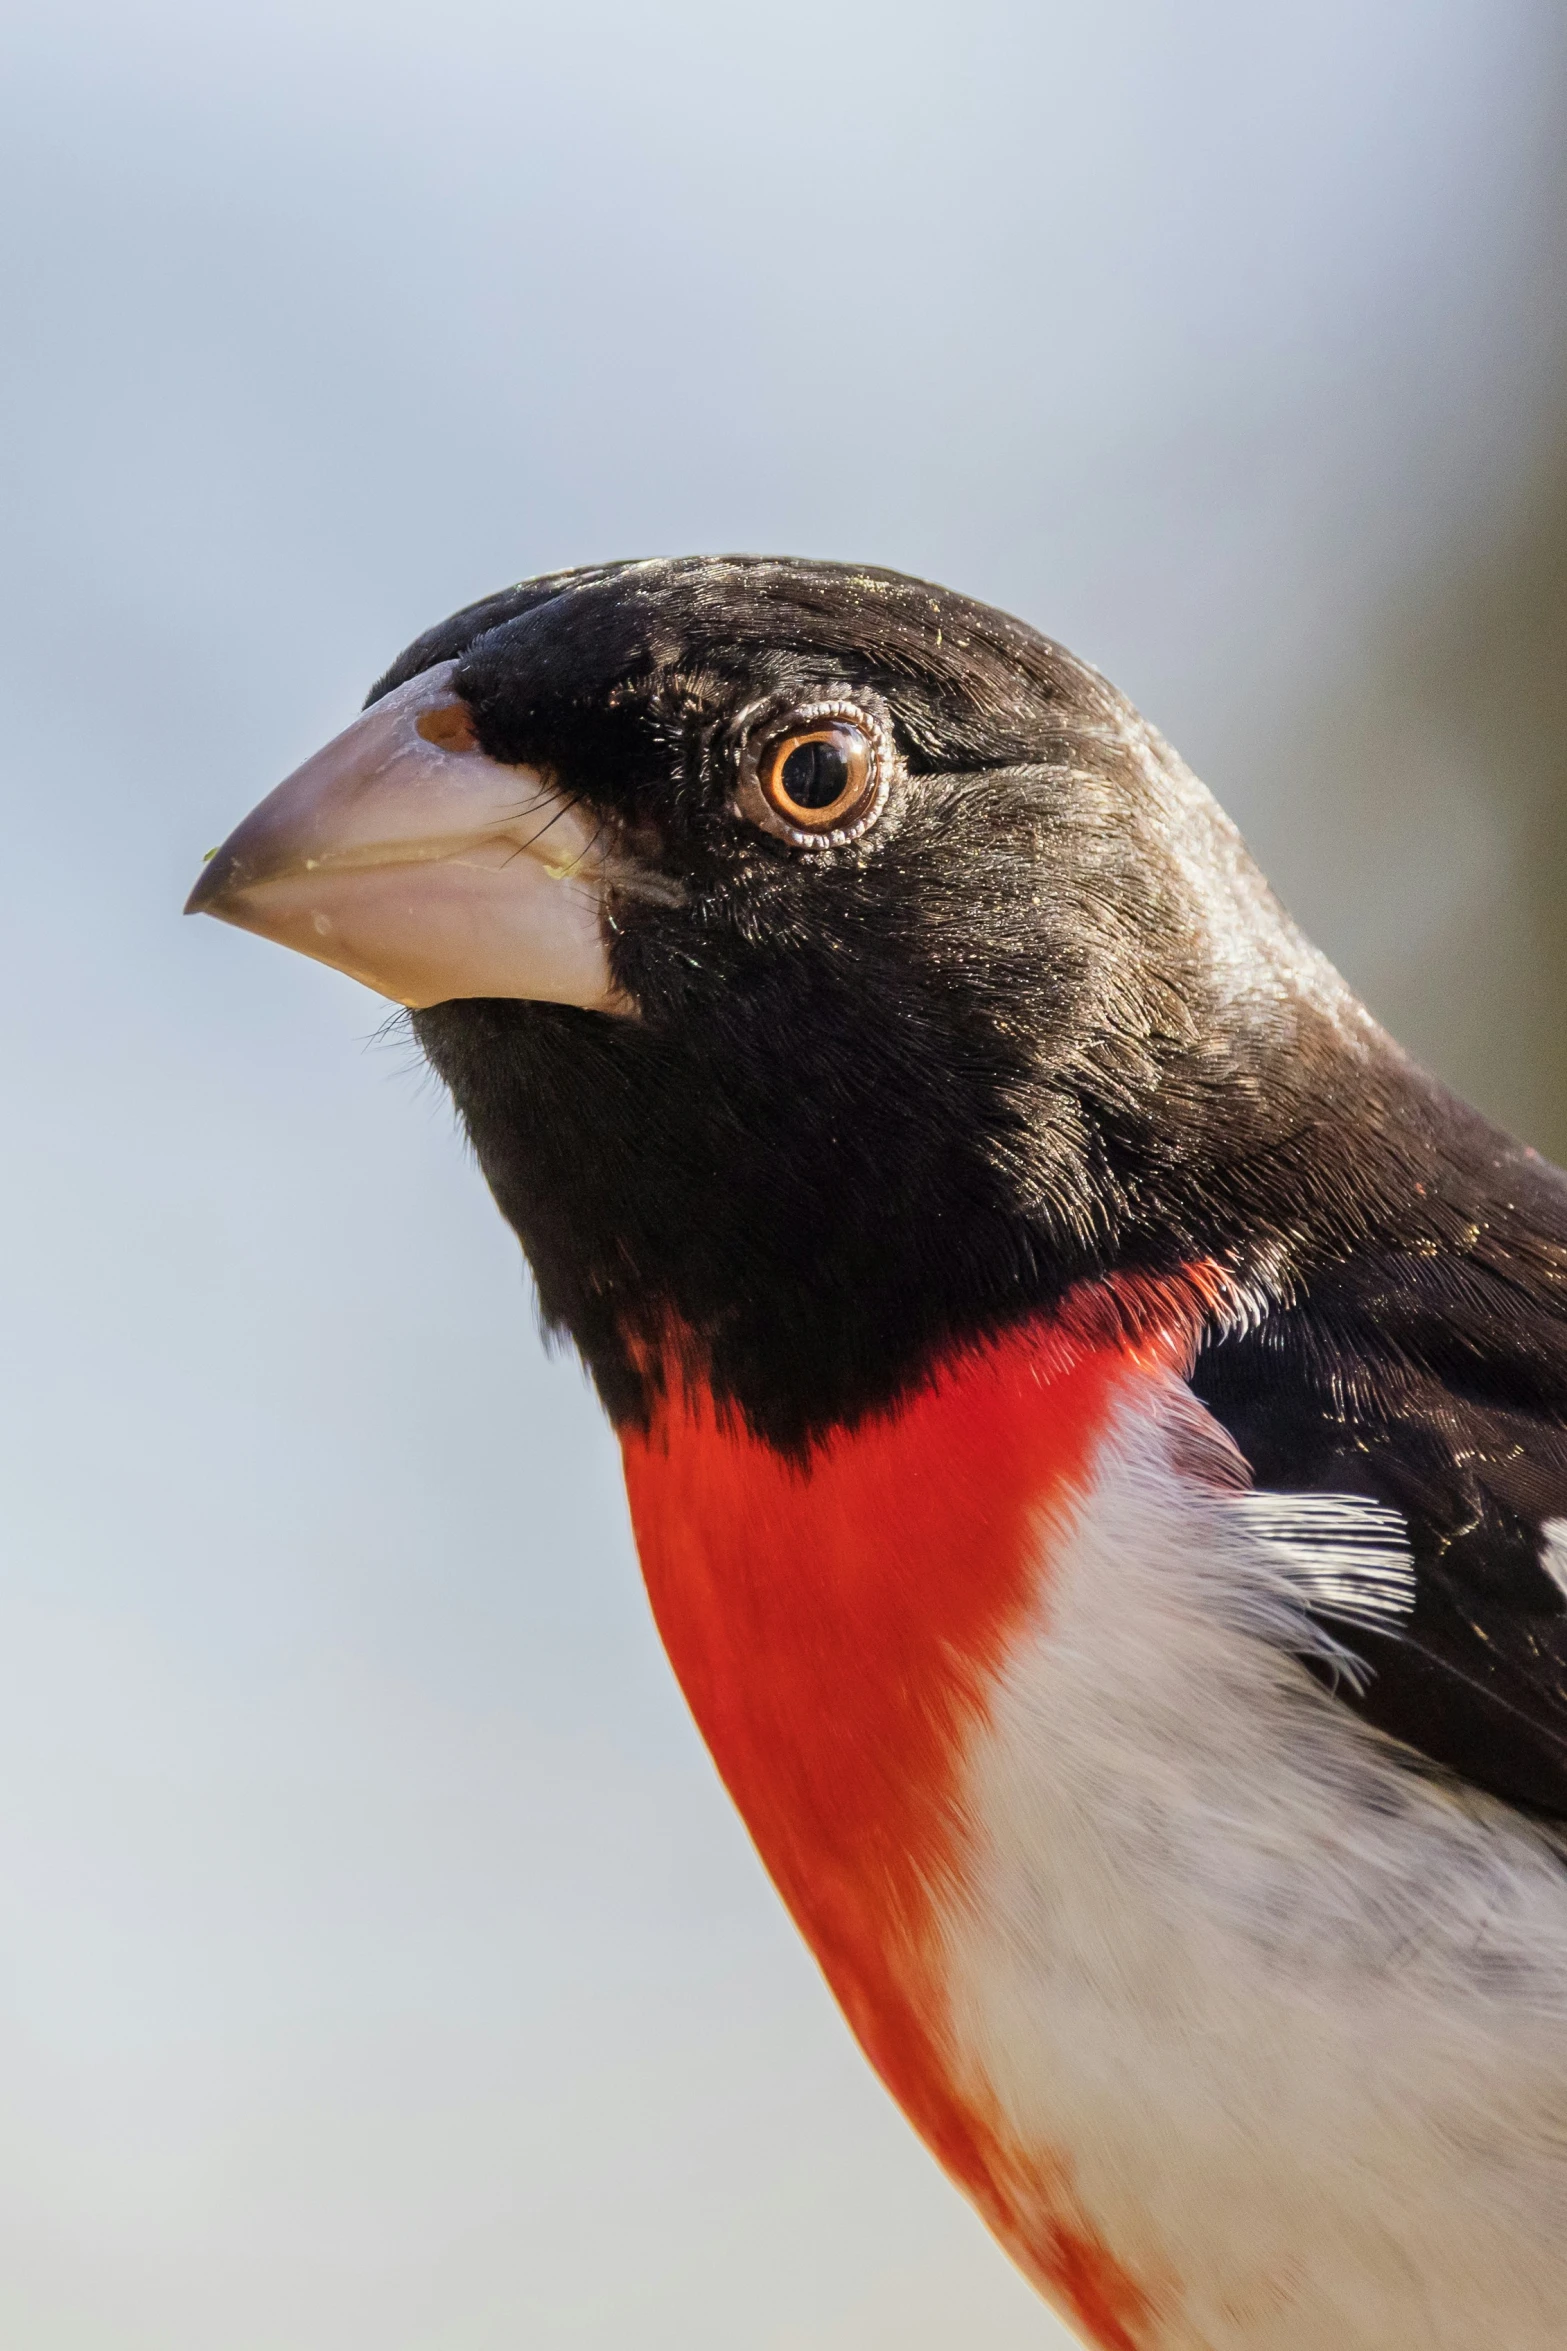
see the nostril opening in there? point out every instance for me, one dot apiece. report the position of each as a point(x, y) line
point(449, 727)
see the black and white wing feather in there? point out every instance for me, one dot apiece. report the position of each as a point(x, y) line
point(1405, 1422)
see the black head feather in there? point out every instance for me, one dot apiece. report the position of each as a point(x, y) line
point(1042, 1022)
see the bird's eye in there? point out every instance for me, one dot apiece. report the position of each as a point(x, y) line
point(819, 778)
point(814, 780)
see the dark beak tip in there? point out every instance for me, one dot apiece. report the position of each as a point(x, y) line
point(214, 883)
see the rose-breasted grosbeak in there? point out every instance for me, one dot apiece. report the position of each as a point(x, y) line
point(1095, 1415)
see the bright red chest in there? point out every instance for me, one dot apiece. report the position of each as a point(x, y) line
point(835, 1629)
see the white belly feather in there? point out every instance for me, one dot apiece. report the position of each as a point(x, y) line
point(1291, 2016)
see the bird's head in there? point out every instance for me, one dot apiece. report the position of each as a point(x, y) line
point(829, 970)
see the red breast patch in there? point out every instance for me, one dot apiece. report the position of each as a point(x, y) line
point(835, 1626)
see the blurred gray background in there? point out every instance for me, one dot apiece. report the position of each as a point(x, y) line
point(380, 1964)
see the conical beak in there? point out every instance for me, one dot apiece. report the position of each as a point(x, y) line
point(406, 857)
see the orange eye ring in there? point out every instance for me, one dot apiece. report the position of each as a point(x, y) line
point(818, 777)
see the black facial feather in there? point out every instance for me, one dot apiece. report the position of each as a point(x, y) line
point(1043, 1022)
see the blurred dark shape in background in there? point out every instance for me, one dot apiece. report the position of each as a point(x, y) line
point(1433, 860)
point(1480, 666)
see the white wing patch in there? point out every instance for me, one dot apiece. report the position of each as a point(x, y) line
point(1553, 1552)
point(1341, 1555)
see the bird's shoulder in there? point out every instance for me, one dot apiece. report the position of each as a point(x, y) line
point(1404, 1422)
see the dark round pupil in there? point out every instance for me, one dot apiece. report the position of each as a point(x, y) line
point(816, 774)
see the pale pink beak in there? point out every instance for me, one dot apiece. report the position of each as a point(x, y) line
point(406, 857)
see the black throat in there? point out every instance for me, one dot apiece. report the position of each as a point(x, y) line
point(810, 1247)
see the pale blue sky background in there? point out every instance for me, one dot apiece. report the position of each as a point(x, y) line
point(380, 1964)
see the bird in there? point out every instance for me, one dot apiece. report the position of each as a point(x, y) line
point(1093, 1408)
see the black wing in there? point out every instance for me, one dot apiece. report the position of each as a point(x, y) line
point(1435, 1384)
